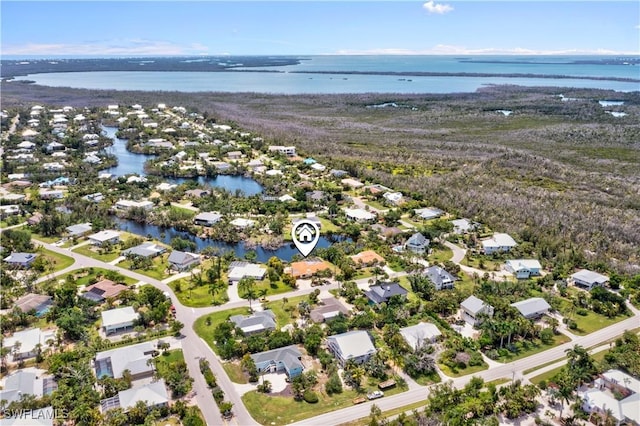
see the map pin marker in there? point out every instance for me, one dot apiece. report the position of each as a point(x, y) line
point(305, 235)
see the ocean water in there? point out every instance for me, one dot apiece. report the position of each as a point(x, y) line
point(312, 76)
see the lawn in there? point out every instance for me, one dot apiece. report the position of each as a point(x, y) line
point(59, 261)
point(43, 238)
point(276, 288)
point(428, 379)
point(93, 252)
point(549, 374)
point(463, 372)
point(206, 331)
point(157, 270)
point(590, 322)
point(527, 348)
point(198, 296)
point(86, 276)
point(328, 226)
point(165, 361)
point(234, 371)
point(440, 255)
point(281, 410)
point(279, 308)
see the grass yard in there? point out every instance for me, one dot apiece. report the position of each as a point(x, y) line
point(276, 288)
point(157, 270)
point(279, 308)
point(59, 261)
point(206, 331)
point(440, 255)
point(281, 410)
point(428, 379)
point(95, 253)
point(234, 371)
point(164, 362)
point(328, 226)
point(43, 238)
point(527, 348)
point(590, 322)
point(86, 276)
point(462, 372)
point(197, 297)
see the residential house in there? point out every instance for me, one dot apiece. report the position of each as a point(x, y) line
point(182, 260)
point(197, 193)
point(523, 268)
point(532, 308)
point(257, 322)
point(146, 250)
point(207, 218)
point(327, 309)
point(463, 226)
point(287, 359)
point(359, 215)
point(154, 395)
point(381, 293)
point(308, 268)
point(25, 343)
point(289, 151)
point(135, 359)
point(241, 223)
point(51, 194)
point(428, 213)
point(473, 310)
point(498, 243)
point(316, 197)
point(103, 290)
point(587, 279)
point(352, 183)
point(79, 229)
point(20, 260)
point(417, 243)
point(240, 270)
point(441, 279)
point(600, 398)
point(234, 155)
point(40, 303)
point(420, 334)
point(118, 320)
point(314, 219)
point(104, 237)
point(55, 146)
point(355, 346)
point(394, 198)
point(10, 210)
point(367, 258)
point(27, 382)
point(129, 204)
point(35, 218)
point(318, 167)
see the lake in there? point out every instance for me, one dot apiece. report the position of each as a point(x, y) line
point(286, 252)
point(130, 162)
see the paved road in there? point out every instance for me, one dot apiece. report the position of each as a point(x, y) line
point(195, 348)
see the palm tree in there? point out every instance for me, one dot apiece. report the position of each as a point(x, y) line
point(247, 286)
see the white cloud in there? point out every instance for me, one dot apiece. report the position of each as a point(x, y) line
point(443, 49)
point(439, 9)
point(126, 47)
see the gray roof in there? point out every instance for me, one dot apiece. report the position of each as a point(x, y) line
point(418, 240)
point(328, 308)
point(180, 257)
point(154, 393)
point(25, 382)
point(118, 316)
point(79, 229)
point(133, 358)
point(259, 321)
point(288, 355)
point(532, 306)
point(144, 250)
point(208, 216)
point(472, 304)
point(353, 344)
point(438, 275)
point(384, 291)
point(33, 301)
point(417, 335)
point(590, 277)
point(20, 257)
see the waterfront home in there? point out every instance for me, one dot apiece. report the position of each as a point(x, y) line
point(27, 382)
point(307, 268)
point(146, 250)
point(207, 218)
point(532, 308)
point(587, 279)
point(381, 293)
point(104, 237)
point(473, 309)
point(314, 219)
point(367, 258)
point(523, 268)
point(197, 193)
point(154, 395)
point(32, 302)
point(439, 277)
point(359, 215)
point(182, 260)
point(103, 290)
point(417, 243)
point(428, 213)
point(355, 346)
point(241, 223)
point(79, 229)
point(257, 322)
point(287, 359)
point(614, 394)
point(240, 270)
point(26, 343)
point(327, 309)
point(134, 359)
point(420, 334)
point(118, 320)
point(129, 204)
point(20, 260)
point(498, 243)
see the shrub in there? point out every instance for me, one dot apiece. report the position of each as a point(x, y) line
point(582, 312)
point(310, 396)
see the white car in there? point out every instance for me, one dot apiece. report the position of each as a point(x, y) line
point(375, 394)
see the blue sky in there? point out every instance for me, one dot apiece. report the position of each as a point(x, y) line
point(92, 28)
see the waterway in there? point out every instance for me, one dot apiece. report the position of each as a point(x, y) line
point(132, 163)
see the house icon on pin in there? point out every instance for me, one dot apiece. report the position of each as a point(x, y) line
point(305, 233)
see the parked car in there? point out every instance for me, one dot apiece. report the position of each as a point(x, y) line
point(375, 394)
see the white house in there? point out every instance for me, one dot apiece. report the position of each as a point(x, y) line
point(104, 237)
point(242, 223)
point(25, 343)
point(289, 151)
point(128, 204)
point(118, 320)
point(472, 309)
point(207, 218)
point(393, 197)
point(240, 270)
point(27, 381)
point(532, 308)
point(462, 226)
point(600, 398)
point(133, 358)
point(429, 213)
point(359, 215)
point(419, 334)
point(153, 394)
point(523, 268)
point(588, 279)
point(353, 346)
point(499, 242)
